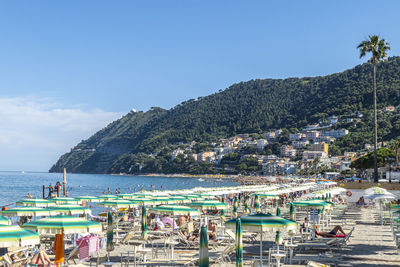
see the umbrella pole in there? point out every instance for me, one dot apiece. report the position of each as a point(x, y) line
point(261, 243)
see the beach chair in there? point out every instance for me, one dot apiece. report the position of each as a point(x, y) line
point(188, 244)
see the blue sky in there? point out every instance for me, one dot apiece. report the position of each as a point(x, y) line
point(104, 58)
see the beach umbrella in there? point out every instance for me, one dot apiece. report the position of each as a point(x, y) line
point(117, 203)
point(15, 236)
point(4, 221)
point(178, 199)
point(194, 197)
point(292, 216)
point(35, 202)
point(88, 199)
point(312, 203)
point(66, 200)
point(28, 211)
point(265, 195)
point(59, 223)
point(143, 194)
point(209, 204)
point(223, 218)
point(174, 209)
point(239, 244)
point(278, 240)
point(256, 204)
point(203, 253)
point(235, 211)
point(144, 223)
point(144, 201)
point(236, 202)
point(110, 233)
point(126, 196)
point(278, 211)
point(107, 197)
point(246, 204)
point(262, 222)
point(160, 200)
point(68, 209)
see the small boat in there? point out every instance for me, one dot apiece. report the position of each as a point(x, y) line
point(200, 180)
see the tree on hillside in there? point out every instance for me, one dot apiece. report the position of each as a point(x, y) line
point(378, 48)
point(384, 156)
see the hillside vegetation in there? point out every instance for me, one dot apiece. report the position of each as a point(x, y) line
point(247, 107)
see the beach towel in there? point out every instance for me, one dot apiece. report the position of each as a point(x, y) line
point(58, 248)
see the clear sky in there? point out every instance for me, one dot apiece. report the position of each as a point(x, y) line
point(67, 68)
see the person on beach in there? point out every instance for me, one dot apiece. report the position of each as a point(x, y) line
point(213, 228)
point(332, 233)
point(305, 226)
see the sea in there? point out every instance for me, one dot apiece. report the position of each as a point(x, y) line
point(15, 186)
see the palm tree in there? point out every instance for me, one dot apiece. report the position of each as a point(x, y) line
point(377, 47)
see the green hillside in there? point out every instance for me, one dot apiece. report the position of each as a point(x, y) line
point(247, 107)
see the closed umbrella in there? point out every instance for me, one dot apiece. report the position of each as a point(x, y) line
point(204, 260)
point(246, 204)
point(223, 217)
point(292, 216)
point(35, 202)
point(239, 244)
point(256, 204)
point(59, 223)
point(110, 233)
point(144, 223)
point(14, 236)
point(58, 248)
point(278, 211)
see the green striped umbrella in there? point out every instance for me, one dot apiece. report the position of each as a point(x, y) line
point(203, 253)
point(107, 197)
point(69, 224)
point(66, 200)
point(396, 207)
point(144, 201)
point(88, 199)
point(14, 236)
point(117, 203)
point(209, 204)
point(110, 232)
point(194, 197)
point(178, 199)
point(143, 194)
point(157, 200)
point(35, 202)
point(278, 211)
point(256, 204)
point(4, 221)
point(278, 241)
point(239, 244)
point(292, 216)
point(144, 223)
point(312, 203)
point(126, 196)
point(68, 209)
point(175, 209)
point(261, 222)
point(206, 196)
point(246, 204)
point(270, 196)
point(28, 211)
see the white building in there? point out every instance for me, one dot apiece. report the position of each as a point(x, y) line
point(335, 133)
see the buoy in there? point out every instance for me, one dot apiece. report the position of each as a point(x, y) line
point(349, 193)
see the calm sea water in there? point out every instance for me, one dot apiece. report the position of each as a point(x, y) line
point(15, 186)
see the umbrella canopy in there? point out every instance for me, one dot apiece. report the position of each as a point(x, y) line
point(144, 201)
point(144, 223)
point(312, 203)
point(70, 209)
point(209, 204)
point(380, 196)
point(110, 232)
point(256, 204)
point(70, 225)
point(263, 222)
point(66, 200)
point(117, 203)
point(175, 210)
point(14, 236)
point(35, 202)
point(239, 244)
point(4, 221)
point(270, 196)
point(126, 196)
point(88, 199)
point(28, 211)
point(278, 238)
point(107, 197)
point(178, 199)
point(194, 197)
point(203, 253)
point(143, 194)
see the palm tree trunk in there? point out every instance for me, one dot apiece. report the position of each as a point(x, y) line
point(375, 130)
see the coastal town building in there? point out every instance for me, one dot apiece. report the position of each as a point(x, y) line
point(335, 133)
point(320, 147)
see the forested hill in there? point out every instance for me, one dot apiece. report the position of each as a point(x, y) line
point(247, 107)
